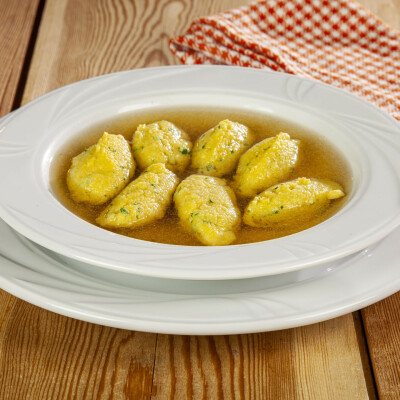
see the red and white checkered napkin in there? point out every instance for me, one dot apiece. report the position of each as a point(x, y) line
point(337, 42)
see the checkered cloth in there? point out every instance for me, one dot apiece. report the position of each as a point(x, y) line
point(337, 42)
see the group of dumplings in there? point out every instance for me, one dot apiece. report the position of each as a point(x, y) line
point(205, 201)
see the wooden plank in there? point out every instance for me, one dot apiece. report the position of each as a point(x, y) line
point(121, 35)
point(320, 361)
point(47, 356)
point(16, 23)
point(382, 327)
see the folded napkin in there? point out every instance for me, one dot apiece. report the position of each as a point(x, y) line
point(337, 42)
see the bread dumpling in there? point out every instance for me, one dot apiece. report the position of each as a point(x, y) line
point(144, 200)
point(268, 162)
point(217, 151)
point(161, 142)
point(291, 202)
point(207, 208)
point(101, 171)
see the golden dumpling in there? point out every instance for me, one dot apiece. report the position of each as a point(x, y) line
point(161, 142)
point(217, 151)
point(291, 202)
point(101, 171)
point(144, 200)
point(207, 208)
point(268, 162)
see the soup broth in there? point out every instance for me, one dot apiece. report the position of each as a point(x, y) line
point(318, 159)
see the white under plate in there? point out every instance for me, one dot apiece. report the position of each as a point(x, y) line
point(121, 300)
point(33, 135)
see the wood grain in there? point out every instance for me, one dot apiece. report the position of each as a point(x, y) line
point(382, 326)
point(121, 35)
point(306, 363)
point(47, 356)
point(16, 23)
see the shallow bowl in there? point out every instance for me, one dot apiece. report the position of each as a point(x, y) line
point(368, 138)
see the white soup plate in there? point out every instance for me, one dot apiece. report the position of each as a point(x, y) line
point(33, 135)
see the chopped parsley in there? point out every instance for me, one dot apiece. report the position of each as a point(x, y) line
point(209, 167)
point(124, 210)
point(184, 151)
point(211, 200)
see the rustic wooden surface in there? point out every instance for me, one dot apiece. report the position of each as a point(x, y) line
point(16, 25)
point(47, 356)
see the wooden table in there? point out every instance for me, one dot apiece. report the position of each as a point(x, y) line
point(45, 44)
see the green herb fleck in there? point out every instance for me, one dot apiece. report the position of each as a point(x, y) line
point(124, 210)
point(211, 200)
point(245, 144)
point(282, 207)
point(184, 151)
point(203, 146)
point(276, 212)
point(122, 166)
point(209, 167)
point(219, 127)
point(154, 185)
point(232, 151)
point(86, 149)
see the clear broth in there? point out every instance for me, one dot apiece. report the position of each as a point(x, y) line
point(319, 159)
